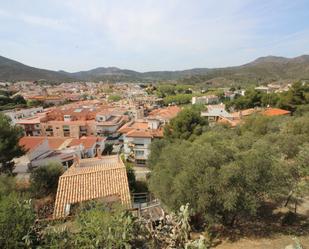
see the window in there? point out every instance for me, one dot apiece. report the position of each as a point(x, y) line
point(66, 131)
point(139, 144)
point(139, 152)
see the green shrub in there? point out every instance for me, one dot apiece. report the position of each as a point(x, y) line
point(44, 179)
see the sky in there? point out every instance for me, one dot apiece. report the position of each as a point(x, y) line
point(148, 35)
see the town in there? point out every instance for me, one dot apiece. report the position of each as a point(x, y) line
point(154, 124)
point(86, 141)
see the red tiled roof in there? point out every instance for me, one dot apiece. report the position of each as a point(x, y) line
point(29, 143)
point(91, 179)
point(275, 112)
point(244, 113)
point(133, 125)
point(87, 142)
point(165, 113)
point(55, 142)
point(232, 123)
point(145, 133)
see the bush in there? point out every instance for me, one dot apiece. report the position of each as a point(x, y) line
point(16, 220)
point(44, 179)
point(7, 185)
point(114, 98)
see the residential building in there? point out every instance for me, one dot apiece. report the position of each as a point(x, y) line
point(90, 145)
point(137, 137)
point(275, 112)
point(205, 100)
point(43, 150)
point(264, 89)
point(54, 100)
point(215, 112)
point(32, 125)
point(102, 179)
point(165, 114)
point(107, 124)
point(17, 114)
point(76, 120)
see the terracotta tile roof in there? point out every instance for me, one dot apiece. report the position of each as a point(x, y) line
point(140, 133)
point(30, 143)
point(92, 178)
point(56, 142)
point(113, 120)
point(31, 120)
point(166, 113)
point(133, 125)
point(139, 128)
point(87, 142)
point(244, 113)
point(275, 112)
point(145, 133)
point(232, 123)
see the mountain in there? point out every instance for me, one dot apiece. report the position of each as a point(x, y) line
point(263, 69)
point(102, 73)
point(11, 70)
point(269, 68)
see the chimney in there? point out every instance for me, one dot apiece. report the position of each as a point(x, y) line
point(99, 153)
point(76, 160)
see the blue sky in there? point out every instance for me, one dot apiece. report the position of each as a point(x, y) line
point(148, 35)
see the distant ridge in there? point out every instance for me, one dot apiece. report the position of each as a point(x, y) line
point(261, 69)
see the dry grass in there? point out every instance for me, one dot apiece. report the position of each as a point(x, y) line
point(268, 231)
point(278, 242)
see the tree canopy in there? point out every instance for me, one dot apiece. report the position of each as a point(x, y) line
point(226, 174)
point(186, 124)
point(9, 147)
point(44, 179)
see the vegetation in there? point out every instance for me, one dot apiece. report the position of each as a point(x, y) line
point(178, 99)
point(16, 220)
point(291, 100)
point(228, 174)
point(44, 179)
point(266, 69)
point(186, 124)
point(114, 98)
point(9, 148)
point(9, 101)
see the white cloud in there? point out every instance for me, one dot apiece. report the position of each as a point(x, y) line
point(154, 34)
point(35, 20)
point(142, 25)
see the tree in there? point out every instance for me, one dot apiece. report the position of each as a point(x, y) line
point(225, 174)
point(299, 169)
point(130, 174)
point(9, 147)
point(16, 221)
point(178, 99)
point(7, 185)
point(186, 123)
point(156, 148)
point(108, 148)
point(18, 99)
point(114, 98)
point(100, 228)
point(44, 179)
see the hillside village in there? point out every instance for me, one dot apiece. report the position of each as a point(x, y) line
point(108, 142)
point(154, 124)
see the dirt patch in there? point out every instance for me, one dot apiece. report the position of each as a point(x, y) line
point(279, 242)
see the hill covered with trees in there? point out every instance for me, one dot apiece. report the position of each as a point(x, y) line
point(264, 69)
